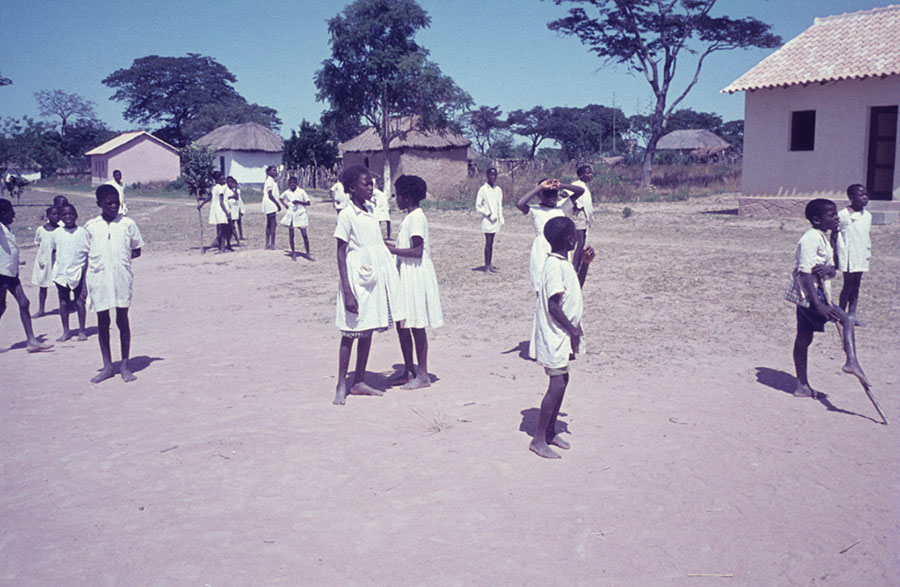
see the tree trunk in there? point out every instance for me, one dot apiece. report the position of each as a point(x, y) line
point(656, 131)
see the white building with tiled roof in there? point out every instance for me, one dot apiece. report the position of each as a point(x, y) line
point(820, 113)
point(140, 156)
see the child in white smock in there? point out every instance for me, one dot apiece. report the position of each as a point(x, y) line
point(42, 272)
point(296, 201)
point(70, 242)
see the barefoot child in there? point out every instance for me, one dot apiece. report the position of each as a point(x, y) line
point(811, 290)
point(42, 272)
point(112, 242)
point(270, 205)
point(382, 206)
point(558, 318)
point(489, 203)
point(236, 208)
point(417, 280)
point(296, 201)
point(854, 247)
point(119, 185)
point(369, 297)
point(582, 211)
point(68, 275)
point(9, 276)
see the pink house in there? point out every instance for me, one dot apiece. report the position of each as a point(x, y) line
point(140, 156)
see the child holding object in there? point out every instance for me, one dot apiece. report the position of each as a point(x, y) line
point(68, 275)
point(112, 242)
point(489, 203)
point(417, 280)
point(42, 272)
point(810, 289)
point(369, 297)
point(854, 247)
point(296, 201)
point(9, 277)
point(558, 318)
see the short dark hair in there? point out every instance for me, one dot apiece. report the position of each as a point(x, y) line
point(5, 206)
point(52, 208)
point(817, 207)
point(854, 188)
point(106, 190)
point(64, 206)
point(59, 197)
point(557, 230)
point(271, 167)
point(488, 170)
point(412, 186)
point(352, 174)
point(581, 169)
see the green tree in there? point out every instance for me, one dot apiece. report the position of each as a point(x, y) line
point(27, 141)
point(687, 119)
point(313, 145)
point(651, 37)
point(733, 132)
point(211, 116)
point(535, 125)
point(587, 132)
point(197, 169)
point(484, 124)
point(378, 73)
point(64, 105)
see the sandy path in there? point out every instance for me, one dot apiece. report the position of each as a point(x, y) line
point(225, 463)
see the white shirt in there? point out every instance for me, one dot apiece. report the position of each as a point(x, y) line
point(109, 277)
point(854, 243)
point(339, 197)
point(296, 213)
point(814, 249)
point(9, 252)
point(123, 209)
point(382, 205)
point(71, 255)
point(540, 248)
point(489, 203)
point(552, 341)
point(583, 207)
point(216, 214)
point(270, 187)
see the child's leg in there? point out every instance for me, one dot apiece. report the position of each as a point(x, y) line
point(63, 293)
point(42, 302)
point(850, 294)
point(580, 237)
point(801, 351)
point(33, 345)
point(488, 250)
point(552, 400)
point(306, 243)
point(103, 323)
point(421, 378)
point(220, 237)
point(270, 230)
point(388, 223)
point(125, 341)
point(358, 386)
point(343, 364)
point(406, 349)
point(241, 226)
point(291, 238)
point(851, 366)
point(80, 310)
point(552, 437)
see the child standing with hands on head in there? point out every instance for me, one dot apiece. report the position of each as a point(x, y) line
point(369, 297)
point(112, 242)
point(558, 318)
point(42, 272)
point(296, 201)
point(854, 247)
point(417, 280)
point(68, 275)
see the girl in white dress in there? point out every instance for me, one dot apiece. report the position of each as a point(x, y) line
point(417, 280)
point(296, 201)
point(42, 273)
point(369, 297)
point(236, 208)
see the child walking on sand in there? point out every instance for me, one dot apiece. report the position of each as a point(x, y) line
point(854, 247)
point(369, 297)
point(296, 201)
point(489, 203)
point(9, 277)
point(68, 275)
point(810, 289)
point(112, 242)
point(270, 205)
point(558, 318)
point(417, 280)
point(42, 272)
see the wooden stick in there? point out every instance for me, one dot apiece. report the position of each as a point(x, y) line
point(875, 403)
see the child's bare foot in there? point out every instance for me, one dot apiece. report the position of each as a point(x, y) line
point(103, 375)
point(493, 269)
point(417, 383)
point(401, 378)
point(340, 395)
point(364, 389)
point(310, 257)
point(853, 368)
point(804, 391)
point(65, 336)
point(127, 375)
point(542, 450)
point(82, 335)
point(293, 256)
point(559, 442)
point(37, 346)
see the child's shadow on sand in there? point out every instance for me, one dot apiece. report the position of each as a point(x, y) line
point(781, 381)
point(530, 421)
point(521, 348)
point(141, 362)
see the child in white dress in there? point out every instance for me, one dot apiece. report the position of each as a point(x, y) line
point(489, 203)
point(417, 280)
point(42, 272)
point(236, 207)
point(70, 242)
point(382, 207)
point(270, 205)
point(296, 201)
point(369, 297)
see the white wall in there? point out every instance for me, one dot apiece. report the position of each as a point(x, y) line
point(248, 167)
point(840, 155)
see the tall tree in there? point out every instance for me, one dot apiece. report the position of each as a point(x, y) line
point(378, 73)
point(64, 105)
point(313, 145)
point(651, 36)
point(211, 116)
point(483, 124)
point(587, 132)
point(534, 124)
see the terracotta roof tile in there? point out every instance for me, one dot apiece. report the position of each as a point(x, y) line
point(847, 46)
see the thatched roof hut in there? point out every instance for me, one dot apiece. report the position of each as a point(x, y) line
point(249, 136)
point(412, 138)
point(688, 140)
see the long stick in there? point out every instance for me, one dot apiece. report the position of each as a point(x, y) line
point(200, 218)
point(875, 403)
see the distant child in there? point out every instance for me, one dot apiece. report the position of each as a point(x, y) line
point(68, 275)
point(369, 297)
point(339, 197)
point(270, 205)
point(582, 211)
point(558, 318)
point(489, 203)
point(296, 201)
point(112, 242)
point(42, 272)
point(236, 208)
point(58, 202)
point(219, 214)
point(811, 290)
point(417, 280)
point(9, 276)
point(117, 183)
point(854, 247)
point(382, 206)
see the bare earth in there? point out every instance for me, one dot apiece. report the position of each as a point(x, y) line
point(225, 463)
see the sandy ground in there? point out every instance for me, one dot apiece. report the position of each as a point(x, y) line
point(225, 463)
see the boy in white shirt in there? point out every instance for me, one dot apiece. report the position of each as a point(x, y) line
point(68, 274)
point(270, 205)
point(854, 247)
point(489, 203)
point(112, 242)
point(558, 319)
point(582, 211)
point(9, 276)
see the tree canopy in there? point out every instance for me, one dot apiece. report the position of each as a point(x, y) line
point(313, 145)
point(652, 37)
point(64, 105)
point(484, 125)
point(534, 124)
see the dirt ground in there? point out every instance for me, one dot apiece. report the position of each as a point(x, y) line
point(226, 463)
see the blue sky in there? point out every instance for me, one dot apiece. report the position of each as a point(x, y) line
point(501, 52)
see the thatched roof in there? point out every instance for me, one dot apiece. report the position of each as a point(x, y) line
point(249, 136)
point(412, 138)
point(126, 138)
point(690, 139)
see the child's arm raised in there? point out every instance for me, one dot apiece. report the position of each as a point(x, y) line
point(416, 250)
point(350, 303)
point(522, 203)
point(575, 190)
point(587, 255)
